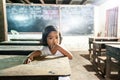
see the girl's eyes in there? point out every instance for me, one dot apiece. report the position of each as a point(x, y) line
point(52, 38)
point(56, 37)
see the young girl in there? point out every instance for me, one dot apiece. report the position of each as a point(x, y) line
point(51, 40)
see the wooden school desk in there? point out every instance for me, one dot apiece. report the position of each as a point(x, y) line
point(25, 38)
point(19, 48)
point(99, 45)
point(98, 48)
point(20, 43)
point(44, 68)
point(113, 51)
point(22, 47)
point(91, 39)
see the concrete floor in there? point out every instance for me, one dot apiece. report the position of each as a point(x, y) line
point(82, 68)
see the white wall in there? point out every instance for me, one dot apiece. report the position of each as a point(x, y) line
point(97, 21)
point(101, 11)
point(72, 43)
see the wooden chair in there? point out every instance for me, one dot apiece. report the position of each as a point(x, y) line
point(102, 65)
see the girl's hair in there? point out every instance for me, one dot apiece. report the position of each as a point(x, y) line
point(46, 32)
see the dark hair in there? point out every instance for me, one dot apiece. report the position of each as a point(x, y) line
point(46, 32)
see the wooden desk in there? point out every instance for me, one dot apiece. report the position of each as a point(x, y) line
point(19, 48)
point(98, 47)
point(47, 68)
point(20, 43)
point(113, 51)
point(25, 39)
point(91, 39)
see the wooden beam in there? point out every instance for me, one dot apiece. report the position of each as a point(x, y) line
point(42, 1)
point(71, 1)
point(27, 1)
point(83, 1)
point(3, 21)
point(57, 1)
point(66, 1)
point(8, 1)
point(23, 1)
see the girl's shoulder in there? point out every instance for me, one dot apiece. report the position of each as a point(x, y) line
point(45, 48)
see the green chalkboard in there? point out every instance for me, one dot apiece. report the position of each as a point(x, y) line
point(31, 18)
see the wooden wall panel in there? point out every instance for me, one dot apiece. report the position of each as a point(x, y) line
point(3, 30)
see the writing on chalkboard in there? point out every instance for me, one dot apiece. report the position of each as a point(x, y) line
point(72, 20)
point(31, 18)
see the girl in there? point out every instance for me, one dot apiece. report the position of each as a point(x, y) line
point(51, 39)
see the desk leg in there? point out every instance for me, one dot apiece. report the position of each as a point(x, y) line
point(90, 50)
point(119, 70)
point(108, 68)
point(94, 57)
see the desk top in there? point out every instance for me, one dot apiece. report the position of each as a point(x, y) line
point(91, 39)
point(114, 45)
point(19, 48)
point(25, 39)
point(106, 42)
point(113, 51)
point(49, 65)
point(20, 43)
point(103, 38)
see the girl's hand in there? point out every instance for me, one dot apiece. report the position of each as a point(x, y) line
point(51, 47)
point(28, 60)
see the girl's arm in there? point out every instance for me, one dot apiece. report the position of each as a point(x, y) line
point(31, 56)
point(62, 50)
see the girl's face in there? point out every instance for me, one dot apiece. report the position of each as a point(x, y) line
point(53, 38)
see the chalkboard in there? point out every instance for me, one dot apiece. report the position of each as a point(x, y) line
point(77, 20)
point(72, 20)
point(31, 18)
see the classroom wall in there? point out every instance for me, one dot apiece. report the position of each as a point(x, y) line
point(81, 42)
point(101, 12)
point(76, 27)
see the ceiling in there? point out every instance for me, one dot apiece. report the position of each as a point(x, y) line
point(58, 2)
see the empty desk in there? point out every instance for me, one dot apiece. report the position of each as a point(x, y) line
point(113, 51)
point(20, 43)
point(44, 68)
point(18, 49)
point(98, 48)
point(91, 39)
point(25, 39)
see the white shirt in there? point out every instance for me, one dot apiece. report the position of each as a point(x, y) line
point(46, 51)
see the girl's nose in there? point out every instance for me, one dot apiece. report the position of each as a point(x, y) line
point(55, 40)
